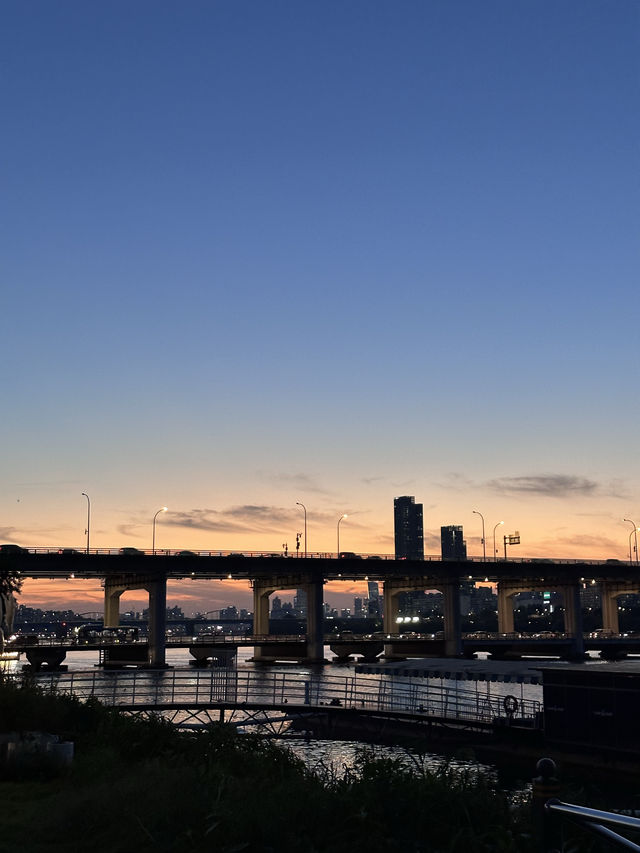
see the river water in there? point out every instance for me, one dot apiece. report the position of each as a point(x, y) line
point(327, 756)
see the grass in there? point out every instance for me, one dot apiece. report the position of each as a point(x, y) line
point(142, 786)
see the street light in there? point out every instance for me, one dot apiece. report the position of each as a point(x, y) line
point(153, 541)
point(305, 525)
point(484, 544)
point(88, 518)
point(635, 533)
point(495, 553)
point(339, 520)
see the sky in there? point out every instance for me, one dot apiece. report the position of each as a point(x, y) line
point(261, 252)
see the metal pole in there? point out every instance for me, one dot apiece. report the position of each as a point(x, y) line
point(305, 525)
point(88, 518)
point(153, 538)
point(484, 543)
point(339, 520)
point(495, 555)
point(635, 531)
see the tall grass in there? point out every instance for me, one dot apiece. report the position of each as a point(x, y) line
point(139, 785)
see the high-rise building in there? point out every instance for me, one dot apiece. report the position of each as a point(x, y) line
point(453, 545)
point(409, 537)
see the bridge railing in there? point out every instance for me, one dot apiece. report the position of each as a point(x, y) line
point(170, 688)
point(69, 554)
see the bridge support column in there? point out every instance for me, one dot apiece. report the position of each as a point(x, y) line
point(315, 619)
point(609, 596)
point(157, 621)
point(506, 623)
point(573, 616)
point(261, 593)
point(452, 634)
point(112, 595)
point(391, 608)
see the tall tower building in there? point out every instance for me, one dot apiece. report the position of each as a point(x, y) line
point(453, 545)
point(407, 519)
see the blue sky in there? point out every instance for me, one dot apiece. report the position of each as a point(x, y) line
point(262, 252)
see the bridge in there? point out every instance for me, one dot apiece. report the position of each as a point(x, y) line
point(299, 701)
point(221, 650)
point(268, 573)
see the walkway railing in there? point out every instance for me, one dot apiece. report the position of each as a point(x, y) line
point(131, 689)
point(597, 822)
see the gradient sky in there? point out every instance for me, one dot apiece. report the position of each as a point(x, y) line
point(257, 252)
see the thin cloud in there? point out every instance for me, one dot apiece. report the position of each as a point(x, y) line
point(250, 518)
point(457, 482)
point(301, 483)
point(547, 485)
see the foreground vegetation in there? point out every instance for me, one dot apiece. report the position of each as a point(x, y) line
point(138, 785)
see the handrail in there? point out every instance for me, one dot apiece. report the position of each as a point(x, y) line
point(595, 821)
point(132, 688)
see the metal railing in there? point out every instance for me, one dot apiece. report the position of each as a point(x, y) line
point(129, 689)
point(597, 822)
point(330, 555)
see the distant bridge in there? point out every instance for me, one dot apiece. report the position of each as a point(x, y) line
point(220, 649)
point(270, 573)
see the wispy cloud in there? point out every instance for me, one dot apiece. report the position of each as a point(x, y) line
point(299, 482)
point(248, 518)
point(546, 485)
point(457, 482)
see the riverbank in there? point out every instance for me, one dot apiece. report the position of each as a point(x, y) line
point(142, 785)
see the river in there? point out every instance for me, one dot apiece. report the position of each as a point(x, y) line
point(330, 757)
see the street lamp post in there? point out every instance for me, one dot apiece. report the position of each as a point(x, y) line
point(153, 540)
point(305, 525)
point(495, 553)
point(88, 518)
point(339, 520)
point(635, 533)
point(484, 543)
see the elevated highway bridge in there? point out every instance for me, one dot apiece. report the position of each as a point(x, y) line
point(120, 572)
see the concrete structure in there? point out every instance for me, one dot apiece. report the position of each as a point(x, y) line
point(140, 571)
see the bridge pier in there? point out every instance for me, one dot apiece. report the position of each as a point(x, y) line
point(156, 587)
point(451, 607)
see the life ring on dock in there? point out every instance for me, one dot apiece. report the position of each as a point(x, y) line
point(510, 705)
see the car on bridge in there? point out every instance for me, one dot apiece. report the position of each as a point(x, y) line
point(12, 549)
point(131, 552)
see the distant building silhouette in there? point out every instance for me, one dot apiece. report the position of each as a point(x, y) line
point(409, 537)
point(452, 542)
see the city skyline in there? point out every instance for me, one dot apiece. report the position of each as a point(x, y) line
point(258, 255)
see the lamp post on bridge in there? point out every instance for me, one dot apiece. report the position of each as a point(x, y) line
point(339, 520)
point(484, 543)
point(495, 553)
point(88, 518)
point(153, 539)
point(305, 525)
point(634, 532)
